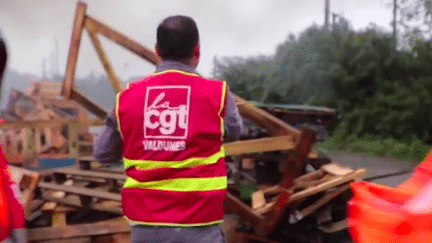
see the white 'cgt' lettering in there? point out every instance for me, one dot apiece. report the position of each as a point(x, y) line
point(167, 119)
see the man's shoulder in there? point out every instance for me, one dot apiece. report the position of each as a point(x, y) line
point(138, 82)
point(212, 80)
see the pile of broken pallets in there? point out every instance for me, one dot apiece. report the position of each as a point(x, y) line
point(41, 102)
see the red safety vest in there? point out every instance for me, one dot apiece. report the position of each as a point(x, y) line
point(12, 214)
point(172, 129)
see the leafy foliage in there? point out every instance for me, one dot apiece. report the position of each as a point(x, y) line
point(378, 91)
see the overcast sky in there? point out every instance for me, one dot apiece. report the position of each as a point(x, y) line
point(227, 28)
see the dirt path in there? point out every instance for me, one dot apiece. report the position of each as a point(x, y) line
point(375, 166)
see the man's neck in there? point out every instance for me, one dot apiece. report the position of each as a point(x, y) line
point(175, 64)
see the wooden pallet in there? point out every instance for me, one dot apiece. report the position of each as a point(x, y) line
point(114, 231)
point(27, 181)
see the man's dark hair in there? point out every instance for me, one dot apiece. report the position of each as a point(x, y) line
point(176, 37)
point(3, 57)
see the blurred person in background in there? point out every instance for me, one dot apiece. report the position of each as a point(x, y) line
point(12, 217)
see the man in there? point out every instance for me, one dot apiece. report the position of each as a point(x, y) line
point(12, 219)
point(168, 128)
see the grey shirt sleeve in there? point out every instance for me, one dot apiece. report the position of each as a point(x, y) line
point(233, 121)
point(109, 146)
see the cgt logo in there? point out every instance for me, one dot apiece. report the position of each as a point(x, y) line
point(166, 112)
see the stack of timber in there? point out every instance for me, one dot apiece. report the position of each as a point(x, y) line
point(79, 204)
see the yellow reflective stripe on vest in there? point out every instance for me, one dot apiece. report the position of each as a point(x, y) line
point(187, 163)
point(222, 106)
point(180, 184)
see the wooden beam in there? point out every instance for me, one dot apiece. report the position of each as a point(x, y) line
point(77, 204)
point(323, 200)
point(275, 214)
point(80, 16)
point(301, 152)
point(31, 144)
point(243, 237)
point(122, 40)
point(115, 81)
point(73, 140)
point(49, 123)
point(243, 210)
point(93, 174)
point(334, 227)
point(264, 119)
point(81, 191)
point(327, 185)
point(119, 170)
point(89, 104)
point(259, 145)
point(79, 230)
point(336, 169)
point(70, 240)
point(21, 176)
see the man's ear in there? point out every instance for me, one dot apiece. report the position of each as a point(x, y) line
point(157, 51)
point(197, 51)
point(195, 55)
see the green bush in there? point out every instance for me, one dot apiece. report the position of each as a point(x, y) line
point(418, 151)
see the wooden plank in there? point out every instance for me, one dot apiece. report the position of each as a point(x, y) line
point(81, 191)
point(50, 123)
point(259, 145)
point(74, 202)
point(115, 81)
point(258, 200)
point(19, 175)
point(275, 213)
point(335, 227)
point(71, 240)
point(301, 151)
point(307, 138)
point(315, 175)
point(121, 238)
point(324, 200)
point(327, 185)
point(74, 49)
point(306, 184)
point(264, 119)
point(245, 237)
point(243, 210)
point(56, 194)
point(119, 170)
point(94, 174)
point(272, 190)
point(31, 144)
point(336, 169)
point(73, 140)
point(80, 230)
point(89, 104)
point(122, 40)
point(59, 216)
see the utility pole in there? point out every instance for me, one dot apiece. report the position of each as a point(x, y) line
point(327, 14)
